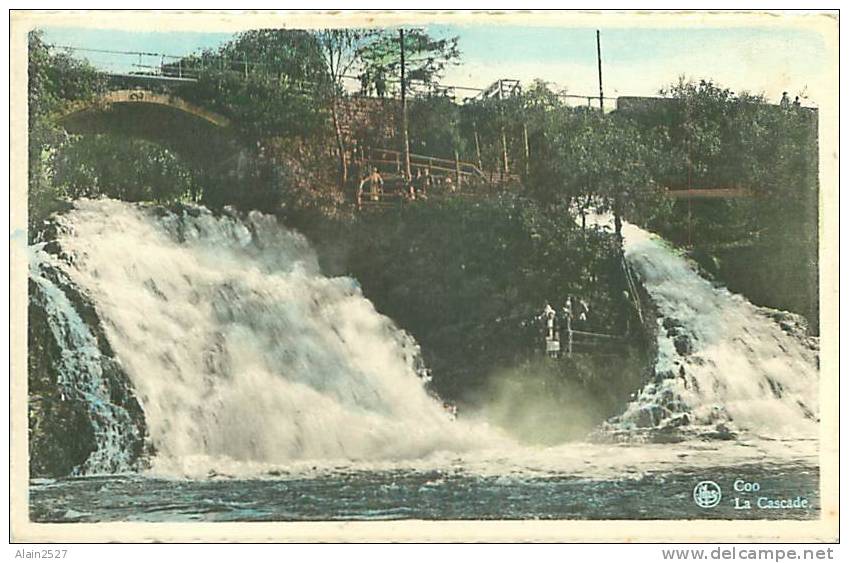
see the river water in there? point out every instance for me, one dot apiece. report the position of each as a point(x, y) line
point(272, 392)
point(579, 481)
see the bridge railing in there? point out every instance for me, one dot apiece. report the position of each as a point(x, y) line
point(153, 65)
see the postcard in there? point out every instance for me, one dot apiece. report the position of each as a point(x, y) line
point(408, 276)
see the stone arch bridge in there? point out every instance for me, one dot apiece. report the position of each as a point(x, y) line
point(204, 138)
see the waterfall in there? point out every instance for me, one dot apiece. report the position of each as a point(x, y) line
point(239, 349)
point(212, 341)
point(721, 360)
point(87, 378)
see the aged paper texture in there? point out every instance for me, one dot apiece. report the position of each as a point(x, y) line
point(424, 276)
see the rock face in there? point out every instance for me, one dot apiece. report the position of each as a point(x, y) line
point(83, 414)
point(61, 436)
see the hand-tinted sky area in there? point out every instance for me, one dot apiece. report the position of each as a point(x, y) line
point(636, 61)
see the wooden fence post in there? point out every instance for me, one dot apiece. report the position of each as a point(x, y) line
point(527, 150)
point(477, 144)
point(457, 169)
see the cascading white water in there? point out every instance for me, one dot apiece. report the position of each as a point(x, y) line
point(240, 350)
point(242, 353)
point(733, 363)
point(80, 373)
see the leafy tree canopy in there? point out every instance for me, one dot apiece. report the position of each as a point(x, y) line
point(425, 58)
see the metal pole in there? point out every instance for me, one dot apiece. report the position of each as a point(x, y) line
point(406, 136)
point(505, 170)
point(527, 150)
point(600, 89)
point(477, 145)
point(457, 167)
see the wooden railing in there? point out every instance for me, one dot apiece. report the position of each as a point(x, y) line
point(449, 178)
point(708, 193)
point(421, 162)
point(458, 168)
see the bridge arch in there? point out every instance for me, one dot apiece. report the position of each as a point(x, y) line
point(203, 137)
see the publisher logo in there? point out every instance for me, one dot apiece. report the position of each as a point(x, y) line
point(707, 494)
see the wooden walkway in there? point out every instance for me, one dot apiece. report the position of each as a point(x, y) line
point(448, 178)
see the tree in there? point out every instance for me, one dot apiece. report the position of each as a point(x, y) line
point(425, 59)
point(341, 51)
point(712, 137)
point(608, 160)
point(268, 80)
point(55, 79)
point(121, 168)
point(435, 127)
point(416, 57)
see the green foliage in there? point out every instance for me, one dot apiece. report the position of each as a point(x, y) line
point(715, 138)
point(342, 50)
point(468, 278)
point(55, 79)
point(573, 155)
point(425, 59)
point(290, 56)
point(434, 127)
point(65, 167)
point(121, 168)
point(268, 81)
point(608, 160)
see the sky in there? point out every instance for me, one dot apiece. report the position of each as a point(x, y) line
point(636, 61)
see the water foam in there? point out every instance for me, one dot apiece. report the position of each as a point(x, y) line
point(241, 350)
point(80, 371)
point(733, 364)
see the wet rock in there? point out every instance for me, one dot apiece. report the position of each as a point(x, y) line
point(666, 435)
point(648, 417)
point(62, 424)
point(666, 397)
point(671, 322)
point(665, 374)
point(61, 435)
point(721, 432)
point(683, 345)
point(676, 406)
point(678, 420)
